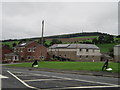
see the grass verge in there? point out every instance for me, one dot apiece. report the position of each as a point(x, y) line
point(85, 66)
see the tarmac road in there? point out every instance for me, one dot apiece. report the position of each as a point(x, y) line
point(28, 79)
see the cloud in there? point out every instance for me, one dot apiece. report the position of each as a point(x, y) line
point(23, 19)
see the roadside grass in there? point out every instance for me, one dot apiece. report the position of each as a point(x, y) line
point(84, 66)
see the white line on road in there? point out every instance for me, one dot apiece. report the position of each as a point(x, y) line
point(41, 80)
point(21, 80)
point(102, 86)
point(1, 76)
point(83, 87)
point(23, 75)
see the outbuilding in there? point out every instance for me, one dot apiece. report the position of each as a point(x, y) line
point(117, 53)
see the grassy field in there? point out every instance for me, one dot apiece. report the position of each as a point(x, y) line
point(85, 66)
point(87, 37)
point(104, 48)
point(10, 43)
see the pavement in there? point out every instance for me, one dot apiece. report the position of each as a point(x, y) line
point(91, 73)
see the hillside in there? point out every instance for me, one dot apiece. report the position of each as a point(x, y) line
point(85, 37)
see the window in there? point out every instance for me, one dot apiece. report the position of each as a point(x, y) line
point(28, 57)
point(15, 57)
point(87, 56)
point(80, 57)
point(86, 50)
point(21, 49)
point(80, 50)
point(33, 49)
point(14, 49)
point(42, 57)
point(18, 49)
point(29, 49)
point(33, 57)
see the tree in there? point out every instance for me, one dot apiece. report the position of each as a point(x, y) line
point(14, 44)
point(101, 39)
point(55, 41)
point(105, 39)
point(22, 41)
point(40, 41)
point(95, 41)
point(109, 39)
point(111, 52)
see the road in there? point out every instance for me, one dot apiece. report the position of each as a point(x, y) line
point(26, 79)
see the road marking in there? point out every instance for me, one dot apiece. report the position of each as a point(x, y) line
point(23, 75)
point(84, 87)
point(111, 85)
point(21, 80)
point(1, 76)
point(41, 80)
point(74, 79)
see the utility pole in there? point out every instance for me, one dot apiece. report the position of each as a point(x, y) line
point(41, 57)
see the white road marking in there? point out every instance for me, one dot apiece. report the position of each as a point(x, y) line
point(74, 79)
point(84, 87)
point(1, 76)
point(61, 78)
point(21, 80)
point(23, 75)
point(41, 80)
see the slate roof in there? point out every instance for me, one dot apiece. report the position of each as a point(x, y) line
point(24, 44)
point(82, 46)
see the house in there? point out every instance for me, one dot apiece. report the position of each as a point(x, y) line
point(4, 50)
point(76, 52)
point(117, 53)
point(29, 51)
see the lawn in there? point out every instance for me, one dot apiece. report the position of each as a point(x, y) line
point(85, 66)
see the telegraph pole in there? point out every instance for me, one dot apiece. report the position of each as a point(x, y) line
point(41, 57)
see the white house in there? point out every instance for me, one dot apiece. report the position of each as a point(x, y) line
point(76, 52)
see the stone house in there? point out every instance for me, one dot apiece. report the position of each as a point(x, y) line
point(76, 52)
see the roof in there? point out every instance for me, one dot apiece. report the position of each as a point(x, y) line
point(24, 44)
point(11, 54)
point(82, 46)
point(117, 45)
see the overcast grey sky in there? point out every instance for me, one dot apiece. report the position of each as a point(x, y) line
point(23, 19)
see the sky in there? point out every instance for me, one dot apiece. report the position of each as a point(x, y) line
point(24, 19)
